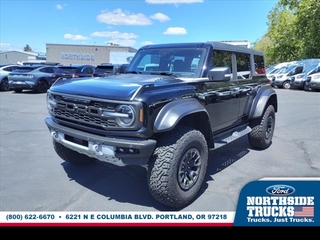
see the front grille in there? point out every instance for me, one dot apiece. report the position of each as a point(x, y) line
point(86, 112)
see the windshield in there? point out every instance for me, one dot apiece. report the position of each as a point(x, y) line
point(26, 69)
point(311, 67)
point(182, 62)
point(66, 70)
point(288, 69)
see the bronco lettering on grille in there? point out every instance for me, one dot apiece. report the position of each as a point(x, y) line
point(80, 109)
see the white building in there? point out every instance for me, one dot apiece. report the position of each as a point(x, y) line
point(88, 54)
point(243, 43)
point(16, 56)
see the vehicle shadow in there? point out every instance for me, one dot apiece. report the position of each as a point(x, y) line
point(27, 92)
point(129, 184)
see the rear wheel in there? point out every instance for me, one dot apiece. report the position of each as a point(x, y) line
point(71, 156)
point(262, 129)
point(4, 85)
point(42, 86)
point(177, 171)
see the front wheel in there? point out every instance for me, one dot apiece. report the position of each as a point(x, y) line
point(262, 129)
point(71, 156)
point(286, 85)
point(178, 167)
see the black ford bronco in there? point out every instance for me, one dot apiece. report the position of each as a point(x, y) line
point(174, 104)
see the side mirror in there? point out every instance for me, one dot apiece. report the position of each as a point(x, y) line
point(219, 74)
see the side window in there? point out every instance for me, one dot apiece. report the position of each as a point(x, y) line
point(259, 64)
point(221, 59)
point(298, 70)
point(51, 70)
point(87, 70)
point(47, 70)
point(243, 65)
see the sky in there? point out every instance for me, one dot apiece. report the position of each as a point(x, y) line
point(132, 23)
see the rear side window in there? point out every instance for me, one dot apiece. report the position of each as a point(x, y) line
point(259, 64)
point(47, 70)
point(243, 65)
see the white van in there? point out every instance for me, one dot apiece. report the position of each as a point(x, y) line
point(298, 80)
point(313, 80)
point(280, 67)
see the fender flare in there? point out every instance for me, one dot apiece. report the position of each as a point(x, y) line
point(261, 99)
point(173, 112)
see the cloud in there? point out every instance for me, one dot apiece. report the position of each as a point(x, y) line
point(160, 17)
point(5, 47)
point(75, 37)
point(146, 43)
point(175, 31)
point(122, 42)
point(172, 1)
point(114, 34)
point(118, 17)
point(59, 7)
point(123, 39)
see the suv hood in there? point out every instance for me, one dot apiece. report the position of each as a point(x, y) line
point(117, 87)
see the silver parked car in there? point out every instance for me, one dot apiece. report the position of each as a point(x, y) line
point(5, 69)
point(34, 77)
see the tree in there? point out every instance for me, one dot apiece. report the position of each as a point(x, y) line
point(293, 32)
point(282, 33)
point(263, 45)
point(308, 28)
point(27, 48)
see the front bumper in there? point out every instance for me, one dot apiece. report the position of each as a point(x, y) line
point(314, 85)
point(114, 150)
point(297, 84)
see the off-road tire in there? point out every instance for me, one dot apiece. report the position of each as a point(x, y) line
point(42, 86)
point(178, 167)
point(71, 156)
point(4, 85)
point(262, 129)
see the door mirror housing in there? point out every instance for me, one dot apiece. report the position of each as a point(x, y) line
point(219, 74)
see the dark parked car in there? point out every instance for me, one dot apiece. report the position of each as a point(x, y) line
point(107, 69)
point(33, 77)
point(73, 71)
point(5, 69)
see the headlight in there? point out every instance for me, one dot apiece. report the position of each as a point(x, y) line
point(51, 102)
point(126, 115)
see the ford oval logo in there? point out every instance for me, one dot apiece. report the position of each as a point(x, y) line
point(280, 190)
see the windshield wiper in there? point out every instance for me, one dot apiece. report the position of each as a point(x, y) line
point(136, 72)
point(164, 73)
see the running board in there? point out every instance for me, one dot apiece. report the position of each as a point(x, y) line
point(232, 136)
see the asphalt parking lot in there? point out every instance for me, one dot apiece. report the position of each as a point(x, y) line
point(34, 178)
